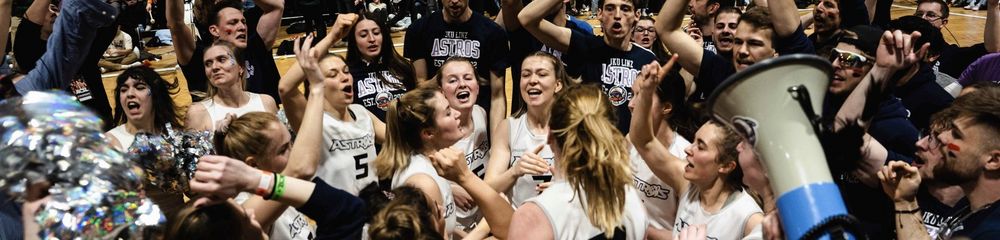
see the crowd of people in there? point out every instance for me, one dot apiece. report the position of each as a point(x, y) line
point(609, 136)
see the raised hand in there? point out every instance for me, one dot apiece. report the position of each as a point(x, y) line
point(695, 32)
point(342, 26)
point(450, 164)
point(308, 62)
point(896, 52)
point(652, 74)
point(223, 177)
point(900, 181)
point(531, 163)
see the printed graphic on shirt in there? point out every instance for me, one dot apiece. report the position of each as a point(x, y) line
point(358, 148)
point(935, 223)
point(617, 77)
point(651, 190)
point(545, 177)
point(298, 226)
point(478, 157)
point(455, 44)
point(682, 223)
point(80, 89)
point(375, 83)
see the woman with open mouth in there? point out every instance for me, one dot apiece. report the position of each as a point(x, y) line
point(662, 124)
point(418, 124)
point(709, 180)
point(460, 85)
point(520, 157)
point(349, 130)
point(380, 73)
point(226, 94)
point(136, 90)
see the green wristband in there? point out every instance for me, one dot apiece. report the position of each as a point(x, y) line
point(279, 187)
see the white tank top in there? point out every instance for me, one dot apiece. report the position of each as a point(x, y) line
point(124, 138)
point(419, 164)
point(349, 150)
point(218, 112)
point(660, 199)
point(523, 140)
point(290, 225)
point(727, 223)
point(565, 212)
point(476, 146)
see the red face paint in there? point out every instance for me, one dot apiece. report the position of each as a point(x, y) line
point(229, 31)
point(953, 147)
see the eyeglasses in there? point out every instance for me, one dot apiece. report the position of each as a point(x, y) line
point(642, 29)
point(848, 59)
point(929, 16)
point(933, 142)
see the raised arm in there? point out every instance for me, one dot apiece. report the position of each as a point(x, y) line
point(183, 38)
point(304, 157)
point(498, 164)
point(664, 165)
point(36, 12)
point(270, 21)
point(668, 28)
point(992, 32)
point(785, 16)
point(900, 182)
point(507, 18)
point(498, 101)
point(532, 19)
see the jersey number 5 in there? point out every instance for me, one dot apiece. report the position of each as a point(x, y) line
point(362, 167)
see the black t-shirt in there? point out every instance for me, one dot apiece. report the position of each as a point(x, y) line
point(262, 73)
point(983, 224)
point(795, 43)
point(923, 97)
point(615, 70)
point(937, 215)
point(87, 86)
point(714, 70)
point(480, 40)
point(955, 59)
point(375, 87)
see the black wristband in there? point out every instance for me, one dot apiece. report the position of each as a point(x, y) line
point(911, 211)
point(274, 183)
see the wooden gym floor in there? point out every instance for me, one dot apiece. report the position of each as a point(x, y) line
point(965, 27)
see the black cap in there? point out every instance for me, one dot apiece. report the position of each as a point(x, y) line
point(867, 38)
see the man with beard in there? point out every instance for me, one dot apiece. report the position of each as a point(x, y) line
point(612, 60)
point(229, 24)
point(970, 150)
point(455, 31)
point(759, 35)
point(939, 200)
point(523, 43)
point(830, 16)
point(953, 58)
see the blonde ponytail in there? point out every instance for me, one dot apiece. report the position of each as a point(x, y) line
point(404, 120)
point(594, 156)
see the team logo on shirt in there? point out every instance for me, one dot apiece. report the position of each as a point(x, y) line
point(363, 142)
point(455, 43)
point(618, 95)
point(382, 100)
point(478, 155)
point(651, 190)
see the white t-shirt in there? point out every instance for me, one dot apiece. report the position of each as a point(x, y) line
point(217, 112)
point(522, 140)
point(419, 164)
point(659, 198)
point(727, 223)
point(348, 151)
point(565, 212)
point(290, 225)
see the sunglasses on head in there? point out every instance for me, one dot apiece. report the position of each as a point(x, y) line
point(848, 59)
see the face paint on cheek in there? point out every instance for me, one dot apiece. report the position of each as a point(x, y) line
point(953, 147)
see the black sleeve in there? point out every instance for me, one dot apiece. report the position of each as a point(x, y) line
point(714, 70)
point(28, 46)
point(798, 42)
point(577, 54)
point(194, 70)
point(338, 214)
point(413, 44)
point(499, 50)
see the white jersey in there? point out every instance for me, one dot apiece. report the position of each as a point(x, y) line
point(522, 140)
point(476, 146)
point(660, 199)
point(124, 138)
point(565, 212)
point(348, 151)
point(419, 164)
point(727, 223)
point(217, 112)
point(290, 225)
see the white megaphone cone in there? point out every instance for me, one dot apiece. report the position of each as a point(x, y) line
point(775, 104)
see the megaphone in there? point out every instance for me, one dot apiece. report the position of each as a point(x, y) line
point(775, 105)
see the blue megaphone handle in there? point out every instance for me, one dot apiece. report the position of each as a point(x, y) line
point(810, 207)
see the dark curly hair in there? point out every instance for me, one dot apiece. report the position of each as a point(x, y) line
point(164, 109)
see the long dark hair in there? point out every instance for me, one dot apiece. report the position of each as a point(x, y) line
point(673, 90)
point(661, 53)
point(396, 64)
point(164, 111)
